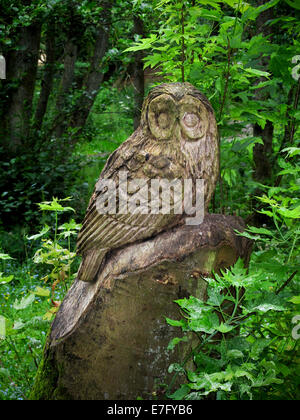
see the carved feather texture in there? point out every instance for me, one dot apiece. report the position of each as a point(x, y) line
point(177, 139)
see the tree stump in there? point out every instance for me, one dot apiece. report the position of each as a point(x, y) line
point(109, 339)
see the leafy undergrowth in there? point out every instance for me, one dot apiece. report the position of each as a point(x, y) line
point(31, 293)
point(249, 328)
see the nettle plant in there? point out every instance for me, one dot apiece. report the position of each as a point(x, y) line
point(246, 348)
point(31, 296)
point(248, 343)
point(56, 251)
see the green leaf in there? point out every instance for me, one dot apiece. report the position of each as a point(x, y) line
point(239, 373)
point(291, 151)
point(5, 257)
point(243, 144)
point(39, 235)
point(175, 323)
point(224, 328)
point(176, 341)
point(24, 302)
point(143, 44)
point(266, 307)
point(256, 72)
point(40, 291)
point(208, 323)
point(215, 298)
point(5, 280)
point(182, 392)
point(19, 324)
point(263, 231)
point(235, 354)
point(2, 327)
point(291, 214)
point(293, 3)
point(295, 300)
point(55, 205)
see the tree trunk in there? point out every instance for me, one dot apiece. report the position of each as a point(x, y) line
point(92, 81)
point(70, 57)
point(109, 339)
point(262, 153)
point(22, 68)
point(47, 81)
point(94, 77)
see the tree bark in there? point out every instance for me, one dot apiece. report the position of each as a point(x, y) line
point(262, 153)
point(92, 81)
point(22, 68)
point(109, 339)
point(70, 57)
point(47, 81)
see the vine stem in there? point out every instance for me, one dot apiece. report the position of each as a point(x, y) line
point(182, 44)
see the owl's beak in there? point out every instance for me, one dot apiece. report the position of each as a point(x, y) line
point(177, 131)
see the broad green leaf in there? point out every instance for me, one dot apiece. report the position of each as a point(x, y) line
point(2, 327)
point(215, 298)
point(172, 344)
point(291, 214)
point(207, 323)
point(235, 354)
point(24, 302)
point(291, 151)
point(242, 144)
point(5, 257)
point(266, 307)
point(224, 328)
point(55, 205)
point(40, 291)
point(182, 392)
point(5, 280)
point(263, 231)
point(293, 3)
point(19, 324)
point(143, 44)
point(39, 235)
point(257, 72)
point(295, 300)
point(239, 373)
point(175, 323)
point(252, 12)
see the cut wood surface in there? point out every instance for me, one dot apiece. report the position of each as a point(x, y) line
point(109, 339)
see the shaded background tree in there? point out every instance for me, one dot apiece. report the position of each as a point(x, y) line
point(58, 53)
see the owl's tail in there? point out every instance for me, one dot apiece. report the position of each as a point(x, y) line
point(90, 265)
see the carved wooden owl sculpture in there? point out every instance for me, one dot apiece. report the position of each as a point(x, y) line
point(177, 139)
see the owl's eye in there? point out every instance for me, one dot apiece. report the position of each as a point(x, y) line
point(190, 119)
point(162, 117)
point(193, 118)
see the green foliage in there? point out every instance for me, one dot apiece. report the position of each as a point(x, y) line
point(31, 177)
point(29, 299)
point(246, 75)
point(255, 356)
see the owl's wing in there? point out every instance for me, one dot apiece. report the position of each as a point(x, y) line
point(102, 231)
point(107, 231)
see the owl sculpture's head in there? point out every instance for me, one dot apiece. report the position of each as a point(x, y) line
point(176, 111)
point(178, 122)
